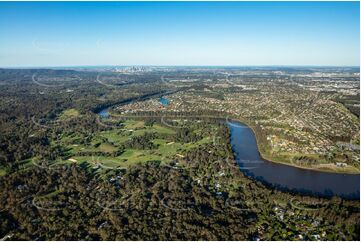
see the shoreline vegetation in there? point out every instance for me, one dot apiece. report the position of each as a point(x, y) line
point(68, 173)
point(329, 168)
point(256, 154)
point(267, 157)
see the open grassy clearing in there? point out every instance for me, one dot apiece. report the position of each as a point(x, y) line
point(69, 114)
point(2, 171)
point(167, 146)
point(322, 164)
point(165, 152)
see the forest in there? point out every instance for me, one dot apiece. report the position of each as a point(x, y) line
point(201, 195)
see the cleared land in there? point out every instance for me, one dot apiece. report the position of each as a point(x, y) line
point(100, 149)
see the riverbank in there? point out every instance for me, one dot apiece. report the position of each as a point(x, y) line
point(330, 168)
point(285, 177)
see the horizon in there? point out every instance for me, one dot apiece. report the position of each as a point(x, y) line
point(135, 65)
point(68, 34)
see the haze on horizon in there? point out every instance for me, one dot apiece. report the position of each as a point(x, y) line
point(179, 33)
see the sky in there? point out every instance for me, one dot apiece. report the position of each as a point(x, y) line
point(179, 33)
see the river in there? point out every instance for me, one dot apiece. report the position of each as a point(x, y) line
point(283, 177)
point(286, 177)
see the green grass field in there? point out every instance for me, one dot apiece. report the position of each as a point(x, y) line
point(2, 172)
point(109, 141)
point(69, 114)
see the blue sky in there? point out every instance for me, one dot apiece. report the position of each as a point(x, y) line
point(179, 33)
